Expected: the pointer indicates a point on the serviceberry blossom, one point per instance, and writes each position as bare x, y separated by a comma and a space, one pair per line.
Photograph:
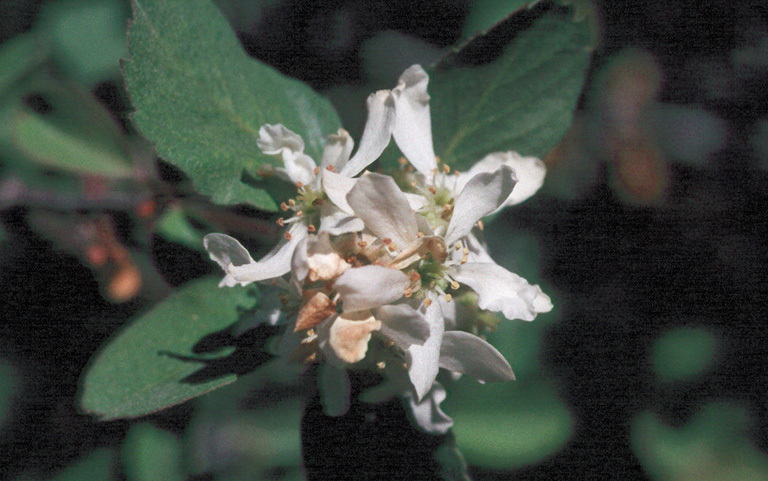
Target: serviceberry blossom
370, 274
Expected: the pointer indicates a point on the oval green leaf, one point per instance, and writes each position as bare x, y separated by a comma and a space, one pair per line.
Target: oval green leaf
201, 100
178, 350
521, 100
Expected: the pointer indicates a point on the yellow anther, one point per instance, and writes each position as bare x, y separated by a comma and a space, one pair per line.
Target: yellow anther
454, 285
458, 245
386, 240
448, 298
291, 202
438, 159
427, 302
465, 251
316, 170
480, 225
464, 260
381, 364
446, 169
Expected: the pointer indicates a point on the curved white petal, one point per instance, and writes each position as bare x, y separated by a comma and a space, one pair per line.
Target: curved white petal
376, 134
402, 324
382, 206
413, 127
278, 140
424, 360
483, 194
274, 264
370, 286
299, 265
416, 201
427, 414
336, 187
334, 387
226, 251
337, 148
468, 354
502, 291
336, 222
530, 173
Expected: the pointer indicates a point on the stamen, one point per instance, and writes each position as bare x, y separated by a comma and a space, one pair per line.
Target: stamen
311, 228
299, 213
409, 169
299, 185
386, 241
456, 173
281, 222
438, 159
433, 190
446, 169
454, 285
288, 235
448, 298
408, 292
392, 247
381, 364
480, 224
283, 206
362, 244
464, 260
427, 302
330, 168
316, 170
465, 251
458, 245
291, 202
420, 235
403, 161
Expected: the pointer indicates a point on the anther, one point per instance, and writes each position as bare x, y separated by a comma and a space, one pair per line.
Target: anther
403, 161
446, 169
316, 170
465, 251
448, 298
299, 213
281, 222
464, 260
420, 235
454, 285
299, 185
386, 241
409, 169
458, 245
330, 168
362, 244
311, 228
432, 190
480, 225
438, 159
284, 206
288, 235
408, 292
392, 247
427, 302
291, 202
381, 364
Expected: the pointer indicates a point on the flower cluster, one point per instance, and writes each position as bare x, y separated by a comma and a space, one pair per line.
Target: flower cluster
377, 273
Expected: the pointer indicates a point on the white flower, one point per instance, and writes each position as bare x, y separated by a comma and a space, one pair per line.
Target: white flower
310, 206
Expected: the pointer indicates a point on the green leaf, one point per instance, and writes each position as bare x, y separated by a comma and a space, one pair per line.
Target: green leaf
484, 14
96, 466
159, 360
150, 454
522, 100
36, 138
684, 354
174, 226
19, 57
201, 99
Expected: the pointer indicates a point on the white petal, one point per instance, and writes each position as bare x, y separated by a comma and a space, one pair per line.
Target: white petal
278, 140
427, 414
413, 128
337, 149
370, 286
376, 134
324, 262
402, 324
380, 203
423, 360
530, 173
336, 222
468, 354
337, 186
416, 201
276, 263
483, 194
299, 264
226, 251
334, 390
502, 291
349, 335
